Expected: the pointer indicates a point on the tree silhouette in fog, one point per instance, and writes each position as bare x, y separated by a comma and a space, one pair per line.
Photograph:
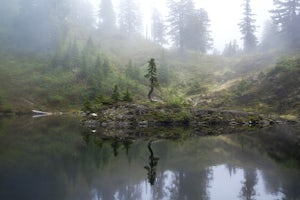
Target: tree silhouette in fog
248, 28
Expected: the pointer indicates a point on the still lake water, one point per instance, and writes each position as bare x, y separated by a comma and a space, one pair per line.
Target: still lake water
55, 158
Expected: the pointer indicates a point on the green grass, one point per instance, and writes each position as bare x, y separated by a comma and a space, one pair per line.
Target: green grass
52, 81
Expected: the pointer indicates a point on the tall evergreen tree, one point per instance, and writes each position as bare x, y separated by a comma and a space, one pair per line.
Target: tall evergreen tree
80, 14
158, 28
129, 17
179, 12
286, 14
248, 28
107, 16
197, 36
270, 37
189, 27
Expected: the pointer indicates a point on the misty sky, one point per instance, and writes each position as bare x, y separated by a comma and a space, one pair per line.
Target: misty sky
224, 16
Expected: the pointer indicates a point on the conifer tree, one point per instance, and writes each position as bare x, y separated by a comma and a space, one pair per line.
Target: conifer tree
129, 17
158, 28
107, 16
115, 95
248, 28
189, 27
106, 67
286, 14
127, 96
152, 76
270, 37
231, 49
197, 36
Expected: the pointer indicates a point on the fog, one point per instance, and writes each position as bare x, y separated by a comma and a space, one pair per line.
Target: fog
224, 16
148, 70
96, 48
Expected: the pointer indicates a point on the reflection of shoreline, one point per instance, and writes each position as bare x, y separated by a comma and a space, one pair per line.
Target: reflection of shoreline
56, 156
173, 132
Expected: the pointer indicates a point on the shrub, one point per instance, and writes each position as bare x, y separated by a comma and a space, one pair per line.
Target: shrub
127, 96
115, 95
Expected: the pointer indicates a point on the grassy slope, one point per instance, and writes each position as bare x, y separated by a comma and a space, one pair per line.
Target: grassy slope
211, 81
270, 88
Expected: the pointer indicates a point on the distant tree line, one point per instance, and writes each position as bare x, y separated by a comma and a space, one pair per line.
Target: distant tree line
45, 24
186, 26
283, 31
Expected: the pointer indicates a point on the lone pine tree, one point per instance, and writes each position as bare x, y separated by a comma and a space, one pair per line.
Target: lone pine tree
152, 76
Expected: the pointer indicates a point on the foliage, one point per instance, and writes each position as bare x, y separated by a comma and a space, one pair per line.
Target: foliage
87, 106
175, 99
127, 96
158, 28
129, 17
270, 38
115, 95
132, 71
248, 28
152, 76
43, 25
107, 17
231, 49
286, 15
242, 87
194, 87
60, 57
189, 27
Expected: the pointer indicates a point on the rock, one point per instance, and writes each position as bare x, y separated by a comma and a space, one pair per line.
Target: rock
143, 123
93, 115
233, 123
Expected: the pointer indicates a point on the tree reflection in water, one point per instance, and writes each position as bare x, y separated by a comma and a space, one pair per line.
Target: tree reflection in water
151, 167
248, 188
115, 146
54, 159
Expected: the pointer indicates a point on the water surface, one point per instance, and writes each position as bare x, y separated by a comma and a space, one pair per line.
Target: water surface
56, 158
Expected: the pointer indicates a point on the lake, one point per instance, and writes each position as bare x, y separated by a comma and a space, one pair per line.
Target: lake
56, 158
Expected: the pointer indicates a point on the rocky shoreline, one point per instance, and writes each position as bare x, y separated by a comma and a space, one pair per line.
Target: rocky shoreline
136, 115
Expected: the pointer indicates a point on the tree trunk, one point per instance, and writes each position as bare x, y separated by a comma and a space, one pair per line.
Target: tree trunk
150, 93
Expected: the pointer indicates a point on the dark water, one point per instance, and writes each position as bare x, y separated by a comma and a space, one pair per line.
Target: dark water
55, 158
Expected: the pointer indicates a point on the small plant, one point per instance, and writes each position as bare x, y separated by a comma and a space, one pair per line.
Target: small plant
127, 96
241, 88
115, 95
87, 107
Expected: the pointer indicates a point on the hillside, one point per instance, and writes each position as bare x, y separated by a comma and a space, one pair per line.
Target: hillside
83, 74
269, 90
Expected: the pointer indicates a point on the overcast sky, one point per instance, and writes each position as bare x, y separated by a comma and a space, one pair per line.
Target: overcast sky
224, 16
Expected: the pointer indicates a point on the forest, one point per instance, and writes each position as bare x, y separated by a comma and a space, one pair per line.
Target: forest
69, 56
